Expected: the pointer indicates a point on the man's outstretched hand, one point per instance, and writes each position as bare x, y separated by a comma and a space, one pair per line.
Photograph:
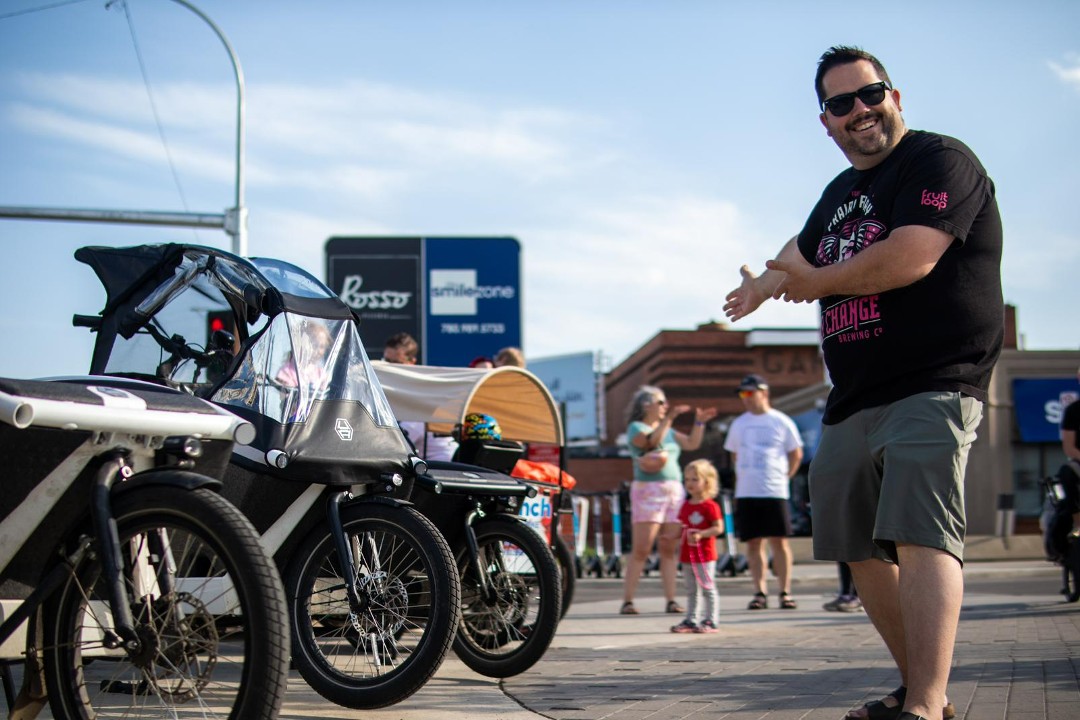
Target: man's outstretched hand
746, 298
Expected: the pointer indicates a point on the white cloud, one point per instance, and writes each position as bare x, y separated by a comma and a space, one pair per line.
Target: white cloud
652, 263
424, 131
120, 141
363, 139
1068, 73
181, 105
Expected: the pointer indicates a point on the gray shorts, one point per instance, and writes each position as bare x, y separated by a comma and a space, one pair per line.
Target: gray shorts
893, 474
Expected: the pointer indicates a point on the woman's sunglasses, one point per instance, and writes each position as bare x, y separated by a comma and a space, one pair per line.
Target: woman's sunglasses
870, 95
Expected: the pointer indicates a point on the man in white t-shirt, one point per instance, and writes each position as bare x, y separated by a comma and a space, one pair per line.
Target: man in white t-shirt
766, 450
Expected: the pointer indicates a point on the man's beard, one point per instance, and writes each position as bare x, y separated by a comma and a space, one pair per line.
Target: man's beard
884, 136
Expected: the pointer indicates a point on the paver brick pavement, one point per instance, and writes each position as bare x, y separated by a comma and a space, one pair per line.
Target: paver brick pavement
1015, 658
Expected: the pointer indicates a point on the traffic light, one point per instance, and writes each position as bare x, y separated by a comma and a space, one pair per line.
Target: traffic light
218, 320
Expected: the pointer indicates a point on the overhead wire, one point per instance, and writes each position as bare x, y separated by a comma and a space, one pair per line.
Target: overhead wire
27, 11
153, 103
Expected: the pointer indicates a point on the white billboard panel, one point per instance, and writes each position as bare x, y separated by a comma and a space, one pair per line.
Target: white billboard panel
571, 379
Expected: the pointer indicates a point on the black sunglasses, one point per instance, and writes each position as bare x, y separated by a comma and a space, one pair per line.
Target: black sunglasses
841, 105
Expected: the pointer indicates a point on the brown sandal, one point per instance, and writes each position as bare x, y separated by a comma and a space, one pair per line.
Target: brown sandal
674, 607
628, 608
760, 602
786, 602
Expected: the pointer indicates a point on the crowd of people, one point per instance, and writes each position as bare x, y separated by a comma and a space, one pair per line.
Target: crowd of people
674, 509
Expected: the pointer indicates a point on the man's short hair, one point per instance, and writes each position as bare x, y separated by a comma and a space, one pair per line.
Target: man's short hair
843, 55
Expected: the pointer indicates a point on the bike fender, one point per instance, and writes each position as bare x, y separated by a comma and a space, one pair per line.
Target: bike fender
177, 478
381, 499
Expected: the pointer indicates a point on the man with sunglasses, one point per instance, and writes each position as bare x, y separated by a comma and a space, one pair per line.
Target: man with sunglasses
903, 251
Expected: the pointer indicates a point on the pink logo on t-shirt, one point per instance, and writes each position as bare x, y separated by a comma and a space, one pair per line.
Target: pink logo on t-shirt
938, 200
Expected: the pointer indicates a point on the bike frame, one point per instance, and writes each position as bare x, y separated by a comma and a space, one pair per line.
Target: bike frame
121, 435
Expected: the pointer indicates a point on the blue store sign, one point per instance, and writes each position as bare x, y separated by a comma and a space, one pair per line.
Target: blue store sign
459, 297
1039, 404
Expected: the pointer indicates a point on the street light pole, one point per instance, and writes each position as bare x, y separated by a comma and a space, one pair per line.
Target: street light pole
236, 218
233, 221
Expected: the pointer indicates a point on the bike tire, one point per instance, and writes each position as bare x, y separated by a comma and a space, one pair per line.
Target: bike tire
216, 647
567, 571
510, 635
398, 641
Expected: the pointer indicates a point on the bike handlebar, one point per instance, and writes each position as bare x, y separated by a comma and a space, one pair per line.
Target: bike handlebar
87, 321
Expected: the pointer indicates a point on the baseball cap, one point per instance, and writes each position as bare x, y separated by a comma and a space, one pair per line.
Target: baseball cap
753, 382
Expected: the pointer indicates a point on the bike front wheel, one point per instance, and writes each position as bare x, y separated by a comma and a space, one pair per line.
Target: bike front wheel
505, 630
384, 650
209, 616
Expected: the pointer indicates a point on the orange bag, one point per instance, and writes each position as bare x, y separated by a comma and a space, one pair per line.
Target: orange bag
542, 472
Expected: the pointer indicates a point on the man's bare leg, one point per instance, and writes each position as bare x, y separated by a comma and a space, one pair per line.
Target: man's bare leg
755, 558
931, 592
878, 584
782, 561
916, 609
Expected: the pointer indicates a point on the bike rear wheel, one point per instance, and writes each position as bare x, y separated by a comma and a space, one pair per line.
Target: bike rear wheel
508, 632
410, 597
1071, 571
567, 570
214, 647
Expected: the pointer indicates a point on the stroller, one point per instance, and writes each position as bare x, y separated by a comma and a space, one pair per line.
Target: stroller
373, 590
510, 579
1061, 537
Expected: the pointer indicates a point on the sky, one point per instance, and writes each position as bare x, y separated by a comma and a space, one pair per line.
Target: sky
640, 150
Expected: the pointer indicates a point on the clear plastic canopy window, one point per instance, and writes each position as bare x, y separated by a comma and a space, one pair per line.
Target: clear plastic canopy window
300, 360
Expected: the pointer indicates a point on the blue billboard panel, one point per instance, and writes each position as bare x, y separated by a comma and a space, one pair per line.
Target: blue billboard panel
473, 298
1039, 404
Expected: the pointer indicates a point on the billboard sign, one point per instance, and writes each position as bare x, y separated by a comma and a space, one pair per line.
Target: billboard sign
459, 297
572, 380
1039, 405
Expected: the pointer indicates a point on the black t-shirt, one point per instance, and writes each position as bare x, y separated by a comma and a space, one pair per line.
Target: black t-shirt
1071, 421
943, 332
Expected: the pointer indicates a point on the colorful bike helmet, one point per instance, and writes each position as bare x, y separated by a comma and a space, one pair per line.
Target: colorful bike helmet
479, 426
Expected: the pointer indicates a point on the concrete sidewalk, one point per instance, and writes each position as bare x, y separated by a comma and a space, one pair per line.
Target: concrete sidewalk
1017, 658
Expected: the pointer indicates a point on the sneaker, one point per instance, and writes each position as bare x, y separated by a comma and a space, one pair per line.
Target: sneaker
834, 605
707, 626
685, 627
850, 605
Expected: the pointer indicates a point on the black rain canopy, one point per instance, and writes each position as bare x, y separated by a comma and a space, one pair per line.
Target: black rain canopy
261, 338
